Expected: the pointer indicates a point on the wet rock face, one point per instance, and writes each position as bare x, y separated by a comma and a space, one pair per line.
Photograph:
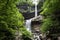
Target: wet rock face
35, 26
29, 15
29, 11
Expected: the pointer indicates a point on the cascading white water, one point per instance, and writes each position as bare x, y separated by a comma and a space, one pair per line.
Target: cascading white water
28, 22
35, 2
36, 10
28, 25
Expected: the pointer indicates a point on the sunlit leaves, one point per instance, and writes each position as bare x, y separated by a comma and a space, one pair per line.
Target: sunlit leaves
10, 18
51, 14
47, 23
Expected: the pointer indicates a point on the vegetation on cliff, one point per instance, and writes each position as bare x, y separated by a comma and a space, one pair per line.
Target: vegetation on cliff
51, 13
11, 20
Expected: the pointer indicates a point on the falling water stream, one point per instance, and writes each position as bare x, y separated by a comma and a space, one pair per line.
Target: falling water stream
28, 25
28, 22
35, 10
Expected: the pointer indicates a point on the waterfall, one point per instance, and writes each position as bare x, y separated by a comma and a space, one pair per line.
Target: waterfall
35, 10
28, 22
28, 25
35, 2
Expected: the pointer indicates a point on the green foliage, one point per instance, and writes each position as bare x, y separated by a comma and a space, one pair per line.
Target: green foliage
25, 32
47, 23
51, 10
10, 19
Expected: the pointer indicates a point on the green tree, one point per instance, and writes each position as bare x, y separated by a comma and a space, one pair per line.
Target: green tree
51, 13
10, 19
